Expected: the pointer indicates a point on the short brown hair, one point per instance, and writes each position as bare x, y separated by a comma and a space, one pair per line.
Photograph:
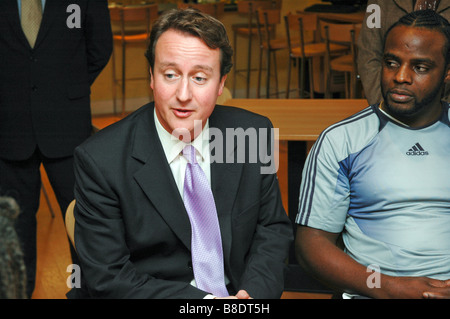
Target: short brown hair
196, 23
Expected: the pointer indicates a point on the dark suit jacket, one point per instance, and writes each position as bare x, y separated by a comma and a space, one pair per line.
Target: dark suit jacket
132, 232
44, 91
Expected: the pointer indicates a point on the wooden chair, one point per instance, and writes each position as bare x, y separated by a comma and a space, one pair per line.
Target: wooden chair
134, 24
266, 20
248, 30
296, 26
70, 222
213, 9
341, 33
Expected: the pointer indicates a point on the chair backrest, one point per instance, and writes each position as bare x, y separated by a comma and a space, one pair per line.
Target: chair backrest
340, 33
134, 16
250, 6
268, 16
336, 32
213, 9
266, 21
297, 24
70, 222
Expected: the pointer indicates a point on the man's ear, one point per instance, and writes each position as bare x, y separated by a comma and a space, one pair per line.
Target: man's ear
222, 84
151, 78
447, 75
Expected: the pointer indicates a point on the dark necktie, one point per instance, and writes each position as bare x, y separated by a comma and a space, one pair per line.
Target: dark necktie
206, 243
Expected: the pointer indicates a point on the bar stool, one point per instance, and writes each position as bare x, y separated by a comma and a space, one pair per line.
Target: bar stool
346, 34
215, 9
134, 27
296, 25
266, 21
248, 30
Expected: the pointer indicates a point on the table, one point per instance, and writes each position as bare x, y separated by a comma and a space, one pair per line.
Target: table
300, 121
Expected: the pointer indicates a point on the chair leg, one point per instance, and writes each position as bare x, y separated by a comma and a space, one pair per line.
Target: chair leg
235, 63
268, 75
301, 78
123, 77
311, 79
348, 90
288, 82
258, 88
249, 57
114, 81
275, 72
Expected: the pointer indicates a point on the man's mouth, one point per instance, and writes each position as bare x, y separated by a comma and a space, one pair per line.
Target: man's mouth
400, 96
183, 113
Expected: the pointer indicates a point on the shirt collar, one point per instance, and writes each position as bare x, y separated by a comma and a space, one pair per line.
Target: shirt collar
173, 147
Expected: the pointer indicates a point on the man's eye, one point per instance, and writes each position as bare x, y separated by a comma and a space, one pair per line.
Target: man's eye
170, 76
421, 68
199, 79
391, 64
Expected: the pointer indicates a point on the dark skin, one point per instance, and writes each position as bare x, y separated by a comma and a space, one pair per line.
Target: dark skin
413, 77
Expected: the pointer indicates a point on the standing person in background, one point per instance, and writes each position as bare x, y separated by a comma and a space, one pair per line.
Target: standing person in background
52, 51
370, 41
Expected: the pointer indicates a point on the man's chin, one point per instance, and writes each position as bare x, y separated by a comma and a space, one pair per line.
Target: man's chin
402, 109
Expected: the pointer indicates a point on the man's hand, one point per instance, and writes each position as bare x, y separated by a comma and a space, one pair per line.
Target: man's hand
242, 294
443, 293
417, 287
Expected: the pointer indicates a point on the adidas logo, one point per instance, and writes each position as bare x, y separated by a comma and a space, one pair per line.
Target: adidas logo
417, 150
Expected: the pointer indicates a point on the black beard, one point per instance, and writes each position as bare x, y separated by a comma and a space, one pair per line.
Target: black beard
418, 105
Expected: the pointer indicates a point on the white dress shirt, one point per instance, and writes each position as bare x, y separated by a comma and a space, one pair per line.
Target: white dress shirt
173, 149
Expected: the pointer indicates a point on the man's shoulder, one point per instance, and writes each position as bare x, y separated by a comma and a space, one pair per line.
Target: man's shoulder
351, 134
119, 133
237, 117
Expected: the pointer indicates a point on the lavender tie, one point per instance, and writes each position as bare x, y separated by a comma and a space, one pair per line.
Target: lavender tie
206, 243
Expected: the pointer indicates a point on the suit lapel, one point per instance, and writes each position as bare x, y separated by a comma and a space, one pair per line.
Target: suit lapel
51, 10
48, 16
225, 178
13, 16
156, 179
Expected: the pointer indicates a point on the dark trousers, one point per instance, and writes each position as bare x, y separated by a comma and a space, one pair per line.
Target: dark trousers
22, 181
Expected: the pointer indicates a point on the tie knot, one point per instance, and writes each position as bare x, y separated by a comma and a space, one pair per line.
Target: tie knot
189, 154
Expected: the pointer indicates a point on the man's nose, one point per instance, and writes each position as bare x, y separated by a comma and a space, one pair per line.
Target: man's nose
403, 74
184, 92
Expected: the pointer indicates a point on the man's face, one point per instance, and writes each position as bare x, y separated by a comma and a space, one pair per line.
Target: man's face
413, 74
185, 80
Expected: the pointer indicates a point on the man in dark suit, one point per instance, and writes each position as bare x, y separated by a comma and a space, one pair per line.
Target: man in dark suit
45, 78
134, 231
